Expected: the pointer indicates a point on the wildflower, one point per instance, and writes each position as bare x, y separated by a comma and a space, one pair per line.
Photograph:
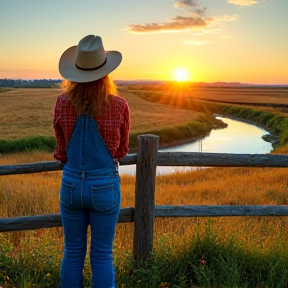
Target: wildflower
164, 285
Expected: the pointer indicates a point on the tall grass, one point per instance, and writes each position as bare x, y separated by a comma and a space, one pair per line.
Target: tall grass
190, 252
174, 115
218, 252
26, 122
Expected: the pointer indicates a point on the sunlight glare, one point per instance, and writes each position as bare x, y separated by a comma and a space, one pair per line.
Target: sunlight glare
181, 74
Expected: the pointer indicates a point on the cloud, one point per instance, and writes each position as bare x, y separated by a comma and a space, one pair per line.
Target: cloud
179, 24
225, 18
193, 18
243, 2
176, 24
192, 6
185, 3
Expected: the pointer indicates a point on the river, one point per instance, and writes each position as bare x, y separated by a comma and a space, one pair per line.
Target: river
238, 138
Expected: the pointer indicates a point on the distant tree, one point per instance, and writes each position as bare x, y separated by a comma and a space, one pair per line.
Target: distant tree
39, 83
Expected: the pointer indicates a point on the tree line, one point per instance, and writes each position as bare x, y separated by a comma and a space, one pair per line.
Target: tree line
37, 83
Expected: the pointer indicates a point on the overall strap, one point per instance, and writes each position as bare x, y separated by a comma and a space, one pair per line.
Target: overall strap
86, 149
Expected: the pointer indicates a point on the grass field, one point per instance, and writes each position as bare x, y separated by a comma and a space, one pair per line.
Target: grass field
29, 112
230, 94
221, 252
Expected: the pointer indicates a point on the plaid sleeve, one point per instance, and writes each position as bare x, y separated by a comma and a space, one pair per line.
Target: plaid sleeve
124, 134
60, 152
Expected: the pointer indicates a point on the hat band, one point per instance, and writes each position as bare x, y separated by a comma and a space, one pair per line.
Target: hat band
91, 69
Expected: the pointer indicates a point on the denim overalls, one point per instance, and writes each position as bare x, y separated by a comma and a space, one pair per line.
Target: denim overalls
90, 194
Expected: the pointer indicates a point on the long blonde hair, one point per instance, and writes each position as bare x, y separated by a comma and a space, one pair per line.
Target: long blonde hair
90, 97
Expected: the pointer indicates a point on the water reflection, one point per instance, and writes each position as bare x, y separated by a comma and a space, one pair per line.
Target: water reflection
238, 138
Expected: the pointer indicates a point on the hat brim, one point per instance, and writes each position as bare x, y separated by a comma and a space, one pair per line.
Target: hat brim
69, 71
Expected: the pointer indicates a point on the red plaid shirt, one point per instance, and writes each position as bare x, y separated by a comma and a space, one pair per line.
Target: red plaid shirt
113, 125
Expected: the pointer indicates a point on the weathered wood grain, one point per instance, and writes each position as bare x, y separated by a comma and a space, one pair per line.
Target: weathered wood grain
50, 220
221, 159
169, 159
145, 196
220, 210
46, 166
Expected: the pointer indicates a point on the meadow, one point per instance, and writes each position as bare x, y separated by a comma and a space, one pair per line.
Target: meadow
188, 252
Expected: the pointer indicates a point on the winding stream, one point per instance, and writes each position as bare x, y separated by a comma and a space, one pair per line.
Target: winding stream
239, 138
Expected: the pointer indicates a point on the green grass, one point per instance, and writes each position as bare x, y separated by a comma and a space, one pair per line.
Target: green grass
199, 127
5, 89
40, 143
209, 259
187, 131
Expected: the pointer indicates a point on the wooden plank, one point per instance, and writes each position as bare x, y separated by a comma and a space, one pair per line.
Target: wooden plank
220, 210
46, 166
169, 159
145, 196
50, 220
127, 215
221, 159
129, 159
30, 168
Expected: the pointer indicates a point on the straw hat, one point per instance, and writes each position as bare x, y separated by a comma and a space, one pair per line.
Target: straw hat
88, 61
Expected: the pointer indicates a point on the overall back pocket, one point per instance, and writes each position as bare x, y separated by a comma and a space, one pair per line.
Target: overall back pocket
105, 195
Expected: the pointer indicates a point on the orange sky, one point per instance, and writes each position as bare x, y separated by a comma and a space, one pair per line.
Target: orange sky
219, 40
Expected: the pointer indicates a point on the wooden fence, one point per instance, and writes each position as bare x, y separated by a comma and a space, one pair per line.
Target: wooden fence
147, 159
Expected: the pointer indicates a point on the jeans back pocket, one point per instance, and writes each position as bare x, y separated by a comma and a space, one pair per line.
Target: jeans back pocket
105, 194
66, 193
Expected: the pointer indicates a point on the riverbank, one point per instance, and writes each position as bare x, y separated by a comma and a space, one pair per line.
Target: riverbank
184, 133
273, 139
273, 121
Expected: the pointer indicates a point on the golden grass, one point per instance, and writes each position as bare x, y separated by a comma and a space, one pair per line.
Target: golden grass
38, 193
248, 94
29, 112
26, 112
243, 95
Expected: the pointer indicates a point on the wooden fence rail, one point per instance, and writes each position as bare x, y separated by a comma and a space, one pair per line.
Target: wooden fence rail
147, 159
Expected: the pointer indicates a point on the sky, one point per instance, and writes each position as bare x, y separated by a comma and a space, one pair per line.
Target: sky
213, 40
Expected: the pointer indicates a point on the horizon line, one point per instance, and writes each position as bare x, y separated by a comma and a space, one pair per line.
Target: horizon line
163, 81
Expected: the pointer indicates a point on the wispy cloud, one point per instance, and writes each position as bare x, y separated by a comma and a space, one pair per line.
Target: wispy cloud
190, 5
185, 3
243, 2
176, 24
225, 18
193, 17
180, 24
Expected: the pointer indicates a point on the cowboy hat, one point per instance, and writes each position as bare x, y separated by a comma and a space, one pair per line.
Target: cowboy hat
88, 61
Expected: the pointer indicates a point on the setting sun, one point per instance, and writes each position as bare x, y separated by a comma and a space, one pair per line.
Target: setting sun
181, 74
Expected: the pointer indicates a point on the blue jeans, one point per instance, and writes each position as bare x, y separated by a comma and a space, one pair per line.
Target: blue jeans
89, 197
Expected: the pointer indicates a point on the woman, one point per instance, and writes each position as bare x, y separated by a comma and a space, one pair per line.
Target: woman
91, 126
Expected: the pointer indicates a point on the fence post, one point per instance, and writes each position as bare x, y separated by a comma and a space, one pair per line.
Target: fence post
145, 195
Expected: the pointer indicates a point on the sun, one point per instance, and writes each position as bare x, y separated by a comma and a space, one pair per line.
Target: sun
181, 74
